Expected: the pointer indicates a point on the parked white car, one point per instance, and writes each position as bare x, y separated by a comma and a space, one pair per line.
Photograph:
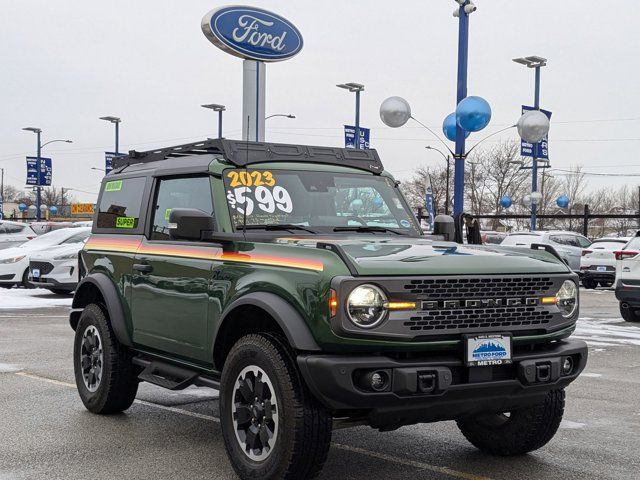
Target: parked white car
14, 262
627, 283
13, 234
569, 245
56, 269
598, 262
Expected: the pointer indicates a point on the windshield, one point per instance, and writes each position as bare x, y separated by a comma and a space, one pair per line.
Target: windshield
320, 201
55, 237
522, 239
607, 244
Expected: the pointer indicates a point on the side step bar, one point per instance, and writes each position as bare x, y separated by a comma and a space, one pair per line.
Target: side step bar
172, 377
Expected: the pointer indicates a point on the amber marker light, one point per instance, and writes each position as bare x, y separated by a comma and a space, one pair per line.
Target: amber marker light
401, 306
333, 303
549, 300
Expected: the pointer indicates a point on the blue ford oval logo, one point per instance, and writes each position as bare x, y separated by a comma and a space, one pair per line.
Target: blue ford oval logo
253, 33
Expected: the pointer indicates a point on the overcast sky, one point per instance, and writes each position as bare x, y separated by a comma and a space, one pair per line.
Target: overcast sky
67, 62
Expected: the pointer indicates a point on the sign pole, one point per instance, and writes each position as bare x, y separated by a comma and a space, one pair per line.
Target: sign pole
38, 188
357, 139
463, 57
117, 137
253, 100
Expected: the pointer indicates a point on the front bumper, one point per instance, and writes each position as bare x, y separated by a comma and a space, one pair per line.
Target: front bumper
59, 275
452, 389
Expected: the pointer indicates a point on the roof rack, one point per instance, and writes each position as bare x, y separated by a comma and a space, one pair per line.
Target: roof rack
242, 153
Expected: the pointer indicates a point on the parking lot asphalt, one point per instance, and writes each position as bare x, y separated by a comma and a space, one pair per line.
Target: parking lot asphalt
45, 432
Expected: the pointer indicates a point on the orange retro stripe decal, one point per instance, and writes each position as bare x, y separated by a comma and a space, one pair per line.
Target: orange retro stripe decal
126, 245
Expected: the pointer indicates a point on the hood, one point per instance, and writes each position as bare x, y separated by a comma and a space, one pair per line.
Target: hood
378, 255
57, 250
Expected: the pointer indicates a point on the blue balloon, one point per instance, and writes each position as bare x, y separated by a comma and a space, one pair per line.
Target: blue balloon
449, 127
22, 207
378, 202
506, 201
473, 114
562, 201
53, 209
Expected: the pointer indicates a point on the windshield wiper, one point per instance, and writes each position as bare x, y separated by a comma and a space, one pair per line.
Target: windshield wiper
275, 226
369, 228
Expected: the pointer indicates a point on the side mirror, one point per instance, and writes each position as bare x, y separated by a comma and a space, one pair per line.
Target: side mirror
190, 223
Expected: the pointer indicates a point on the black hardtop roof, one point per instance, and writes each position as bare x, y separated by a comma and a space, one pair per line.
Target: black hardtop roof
241, 153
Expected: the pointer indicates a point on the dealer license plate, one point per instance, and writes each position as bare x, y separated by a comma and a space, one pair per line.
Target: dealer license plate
601, 269
483, 350
35, 273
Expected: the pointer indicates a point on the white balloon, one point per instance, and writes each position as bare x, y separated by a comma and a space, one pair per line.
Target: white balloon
533, 126
536, 197
526, 200
395, 112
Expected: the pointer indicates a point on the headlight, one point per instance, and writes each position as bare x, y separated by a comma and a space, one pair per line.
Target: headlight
367, 306
68, 256
567, 298
12, 260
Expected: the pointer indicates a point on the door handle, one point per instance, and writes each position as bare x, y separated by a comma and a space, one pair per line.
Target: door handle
142, 267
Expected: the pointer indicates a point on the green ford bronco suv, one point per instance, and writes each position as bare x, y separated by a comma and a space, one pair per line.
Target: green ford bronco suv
296, 280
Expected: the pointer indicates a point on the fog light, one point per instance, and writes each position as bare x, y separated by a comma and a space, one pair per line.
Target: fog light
378, 380
567, 365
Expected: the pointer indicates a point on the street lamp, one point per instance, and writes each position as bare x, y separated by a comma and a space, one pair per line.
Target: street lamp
38, 132
447, 158
537, 63
355, 88
285, 115
98, 169
216, 108
116, 121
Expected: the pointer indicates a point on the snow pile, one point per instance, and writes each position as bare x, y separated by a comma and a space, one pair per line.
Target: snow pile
20, 298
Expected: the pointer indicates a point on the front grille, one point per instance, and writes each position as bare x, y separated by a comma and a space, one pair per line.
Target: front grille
469, 288
44, 267
508, 317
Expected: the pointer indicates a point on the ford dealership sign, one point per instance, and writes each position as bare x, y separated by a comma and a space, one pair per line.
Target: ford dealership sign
252, 33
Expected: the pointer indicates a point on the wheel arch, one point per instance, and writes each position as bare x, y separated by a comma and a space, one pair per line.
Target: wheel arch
260, 312
99, 288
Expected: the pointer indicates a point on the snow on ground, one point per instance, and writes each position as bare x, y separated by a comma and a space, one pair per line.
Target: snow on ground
607, 332
20, 298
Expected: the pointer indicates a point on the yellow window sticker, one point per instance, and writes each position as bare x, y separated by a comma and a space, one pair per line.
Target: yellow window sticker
113, 186
125, 222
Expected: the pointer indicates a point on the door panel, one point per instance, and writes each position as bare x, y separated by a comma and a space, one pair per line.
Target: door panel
170, 303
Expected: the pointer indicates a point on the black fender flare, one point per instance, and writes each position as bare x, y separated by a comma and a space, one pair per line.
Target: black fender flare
287, 317
112, 303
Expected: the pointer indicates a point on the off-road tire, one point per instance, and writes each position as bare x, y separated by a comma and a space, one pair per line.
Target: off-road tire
304, 429
589, 284
630, 313
525, 430
118, 385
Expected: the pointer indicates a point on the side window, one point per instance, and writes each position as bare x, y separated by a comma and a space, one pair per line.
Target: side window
185, 192
557, 239
583, 241
120, 204
572, 240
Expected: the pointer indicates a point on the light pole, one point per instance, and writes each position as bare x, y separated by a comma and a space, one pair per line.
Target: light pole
116, 121
465, 8
285, 115
448, 160
38, 132
1, 193
216, 108
98, 169
357, 88
537, 63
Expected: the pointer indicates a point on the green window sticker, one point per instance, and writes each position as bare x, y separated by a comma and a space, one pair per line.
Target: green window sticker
125, 222
113, 186
167, 214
